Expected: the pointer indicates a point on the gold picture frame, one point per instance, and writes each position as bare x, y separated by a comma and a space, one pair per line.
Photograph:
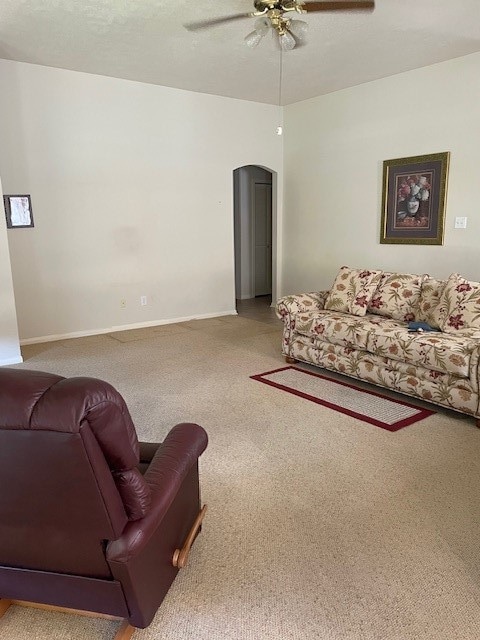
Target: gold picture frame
414, 198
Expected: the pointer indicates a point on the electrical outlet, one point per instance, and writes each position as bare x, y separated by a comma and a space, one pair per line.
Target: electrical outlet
460, 223
143, 300
123, 303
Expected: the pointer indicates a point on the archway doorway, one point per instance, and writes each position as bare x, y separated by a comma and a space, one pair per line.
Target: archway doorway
254, 215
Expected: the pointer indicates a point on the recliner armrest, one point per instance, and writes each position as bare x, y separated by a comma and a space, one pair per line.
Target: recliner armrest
170, 465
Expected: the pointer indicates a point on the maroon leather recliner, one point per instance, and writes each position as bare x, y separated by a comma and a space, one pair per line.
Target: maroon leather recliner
90, 518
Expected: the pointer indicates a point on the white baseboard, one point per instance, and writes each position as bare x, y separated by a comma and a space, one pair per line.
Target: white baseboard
6, 361
123, 327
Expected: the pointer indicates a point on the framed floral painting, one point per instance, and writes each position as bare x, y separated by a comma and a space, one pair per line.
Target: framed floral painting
414, 196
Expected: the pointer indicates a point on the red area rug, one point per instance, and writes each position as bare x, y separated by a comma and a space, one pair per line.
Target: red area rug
369, 406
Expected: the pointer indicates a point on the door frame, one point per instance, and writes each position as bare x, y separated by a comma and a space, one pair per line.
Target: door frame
276, 205
253, 182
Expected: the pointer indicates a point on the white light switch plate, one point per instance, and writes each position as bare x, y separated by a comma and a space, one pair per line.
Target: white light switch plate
460, 223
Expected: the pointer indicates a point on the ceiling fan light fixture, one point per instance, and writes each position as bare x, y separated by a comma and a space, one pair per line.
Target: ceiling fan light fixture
298, 28
287, 41
262, 25
253, 38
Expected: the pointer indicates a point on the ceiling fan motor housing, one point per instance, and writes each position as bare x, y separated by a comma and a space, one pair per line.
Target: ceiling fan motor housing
279, 5
274, 10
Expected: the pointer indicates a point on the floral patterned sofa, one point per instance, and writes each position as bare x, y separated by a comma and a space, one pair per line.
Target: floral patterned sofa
360, 328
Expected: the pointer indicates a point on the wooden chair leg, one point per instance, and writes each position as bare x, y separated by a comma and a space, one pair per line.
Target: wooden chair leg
180, 556
125, 631
290, 360
4, 604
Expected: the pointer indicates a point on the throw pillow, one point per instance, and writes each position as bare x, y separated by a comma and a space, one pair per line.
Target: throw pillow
460, 304
397, 296
352, 290
428, 309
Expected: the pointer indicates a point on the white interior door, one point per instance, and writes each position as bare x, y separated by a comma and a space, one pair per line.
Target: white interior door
262, 214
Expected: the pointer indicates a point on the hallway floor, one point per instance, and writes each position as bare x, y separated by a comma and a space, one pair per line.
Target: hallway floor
259, 309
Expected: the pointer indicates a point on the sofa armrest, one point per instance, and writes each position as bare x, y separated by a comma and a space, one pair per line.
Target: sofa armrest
301, 303
169, 467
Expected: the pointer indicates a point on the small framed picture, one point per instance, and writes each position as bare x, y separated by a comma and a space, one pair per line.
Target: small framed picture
414, 197
18, 210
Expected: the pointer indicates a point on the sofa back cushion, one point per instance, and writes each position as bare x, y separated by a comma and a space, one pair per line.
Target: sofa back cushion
428, 309
397, 296
352, 290
459, 304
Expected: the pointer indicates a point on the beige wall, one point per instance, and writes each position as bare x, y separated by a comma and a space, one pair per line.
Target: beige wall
9, 345
334, 149
132, 188
132, 195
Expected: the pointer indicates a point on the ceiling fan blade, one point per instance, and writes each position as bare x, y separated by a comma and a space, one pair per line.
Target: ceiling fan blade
205, 24
339, 5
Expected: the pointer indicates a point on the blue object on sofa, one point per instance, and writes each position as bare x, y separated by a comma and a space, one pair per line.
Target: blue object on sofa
420, 327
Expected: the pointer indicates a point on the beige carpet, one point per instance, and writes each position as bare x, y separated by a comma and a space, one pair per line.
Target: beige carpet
319, 527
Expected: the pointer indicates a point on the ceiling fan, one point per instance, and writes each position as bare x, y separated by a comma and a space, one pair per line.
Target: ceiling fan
275, 15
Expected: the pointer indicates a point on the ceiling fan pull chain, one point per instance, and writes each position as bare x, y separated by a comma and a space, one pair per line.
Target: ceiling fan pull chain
280, 79
280, 125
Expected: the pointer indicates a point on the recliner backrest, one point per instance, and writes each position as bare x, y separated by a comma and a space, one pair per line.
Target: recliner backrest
68, 472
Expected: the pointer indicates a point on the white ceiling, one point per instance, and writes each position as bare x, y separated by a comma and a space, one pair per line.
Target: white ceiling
145, 40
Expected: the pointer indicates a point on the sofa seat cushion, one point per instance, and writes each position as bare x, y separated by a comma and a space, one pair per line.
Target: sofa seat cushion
340, 328
440, 352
